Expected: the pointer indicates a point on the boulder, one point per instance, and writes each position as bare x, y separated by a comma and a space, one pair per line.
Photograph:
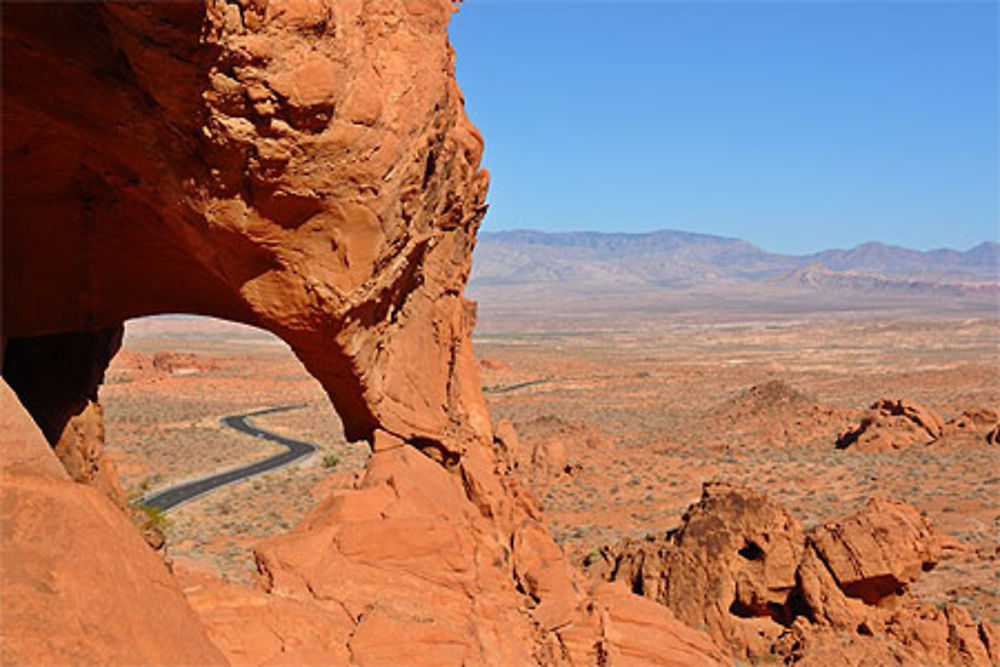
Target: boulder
878, 552
891, 424
730, 567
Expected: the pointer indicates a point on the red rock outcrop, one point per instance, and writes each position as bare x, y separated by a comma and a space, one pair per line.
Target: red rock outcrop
741, 566
304, 166
871, 556
179, 363
79, 584
247, 162
730, 567
979, 424
891, 424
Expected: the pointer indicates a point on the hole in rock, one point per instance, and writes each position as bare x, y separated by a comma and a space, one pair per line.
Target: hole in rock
782, 614
638, 587
874, 590
751, 551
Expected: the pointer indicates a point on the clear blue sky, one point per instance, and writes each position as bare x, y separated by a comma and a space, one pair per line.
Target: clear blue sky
795, 125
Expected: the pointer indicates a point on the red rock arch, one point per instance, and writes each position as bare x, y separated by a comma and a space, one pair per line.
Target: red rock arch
306, 167
189, 157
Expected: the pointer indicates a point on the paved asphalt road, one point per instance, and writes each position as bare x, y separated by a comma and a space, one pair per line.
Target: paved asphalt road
175, 495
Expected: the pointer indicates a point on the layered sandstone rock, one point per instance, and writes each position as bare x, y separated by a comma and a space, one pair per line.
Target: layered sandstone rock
305, 166
872, 555
891, 424
839, 593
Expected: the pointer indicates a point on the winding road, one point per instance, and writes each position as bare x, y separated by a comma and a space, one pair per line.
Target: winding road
172, 496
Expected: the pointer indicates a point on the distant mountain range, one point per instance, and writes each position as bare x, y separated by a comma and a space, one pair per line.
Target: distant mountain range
678, 260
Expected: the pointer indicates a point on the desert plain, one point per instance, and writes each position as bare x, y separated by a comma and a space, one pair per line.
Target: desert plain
624, 424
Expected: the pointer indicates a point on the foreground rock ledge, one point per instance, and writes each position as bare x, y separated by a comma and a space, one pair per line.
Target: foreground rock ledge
305, 166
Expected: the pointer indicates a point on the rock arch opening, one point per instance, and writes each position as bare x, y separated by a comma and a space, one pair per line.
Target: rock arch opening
218, 425
305, 167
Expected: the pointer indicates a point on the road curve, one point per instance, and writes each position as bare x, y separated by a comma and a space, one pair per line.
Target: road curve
175, 495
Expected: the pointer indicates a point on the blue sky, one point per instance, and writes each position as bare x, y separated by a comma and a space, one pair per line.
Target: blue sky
795, 125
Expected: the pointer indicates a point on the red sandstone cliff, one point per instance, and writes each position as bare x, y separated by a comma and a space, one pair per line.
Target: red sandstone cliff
305, 166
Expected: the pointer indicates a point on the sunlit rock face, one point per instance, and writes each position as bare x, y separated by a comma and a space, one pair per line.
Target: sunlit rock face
305, 166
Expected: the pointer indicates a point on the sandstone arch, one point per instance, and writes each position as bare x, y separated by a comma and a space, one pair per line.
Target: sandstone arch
163, 158
304, 166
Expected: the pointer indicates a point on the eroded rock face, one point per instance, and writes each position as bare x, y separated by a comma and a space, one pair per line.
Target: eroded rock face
839, 593
877, 552
730, 567
891, 424
305, 166
980, 424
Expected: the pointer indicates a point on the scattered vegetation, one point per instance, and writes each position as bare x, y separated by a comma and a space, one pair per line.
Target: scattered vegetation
152, 518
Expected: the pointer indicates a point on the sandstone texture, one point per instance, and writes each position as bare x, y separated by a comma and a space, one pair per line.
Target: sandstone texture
176, 363
981, 424
891, 424
80, 586
304, 166
836, 594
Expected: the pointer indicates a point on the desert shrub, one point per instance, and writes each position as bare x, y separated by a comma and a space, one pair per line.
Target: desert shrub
331, 461
152, 518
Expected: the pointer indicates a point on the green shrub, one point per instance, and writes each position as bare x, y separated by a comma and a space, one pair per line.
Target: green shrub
153, 518
331, 461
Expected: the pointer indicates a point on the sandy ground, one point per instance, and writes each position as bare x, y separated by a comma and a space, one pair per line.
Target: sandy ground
645, 416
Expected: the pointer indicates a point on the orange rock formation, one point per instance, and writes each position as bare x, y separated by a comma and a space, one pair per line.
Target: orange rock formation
891, 424
837, 594
305, 166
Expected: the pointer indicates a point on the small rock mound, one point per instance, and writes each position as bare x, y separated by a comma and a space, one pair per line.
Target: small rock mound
891, 424
979, 424
773, 396
537, 464
778, 414
494, 365
181, 363
742, 567
974, 419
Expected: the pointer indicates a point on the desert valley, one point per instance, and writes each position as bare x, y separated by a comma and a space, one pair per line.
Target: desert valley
616, 428
269, 397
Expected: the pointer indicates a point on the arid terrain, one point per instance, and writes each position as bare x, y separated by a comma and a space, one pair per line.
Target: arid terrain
626, 426
666, 448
